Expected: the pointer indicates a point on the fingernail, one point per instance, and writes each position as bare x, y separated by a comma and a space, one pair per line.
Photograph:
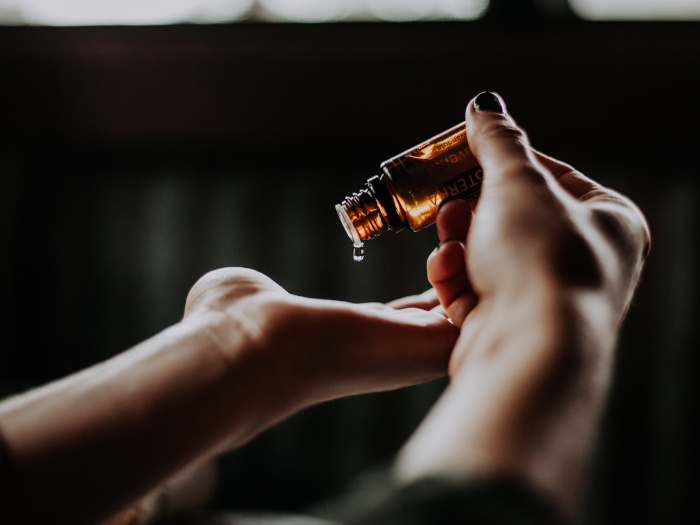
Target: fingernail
443, 243
487, 101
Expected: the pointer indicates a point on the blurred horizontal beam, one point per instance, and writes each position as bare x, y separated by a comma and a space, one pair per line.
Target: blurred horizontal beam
605, 87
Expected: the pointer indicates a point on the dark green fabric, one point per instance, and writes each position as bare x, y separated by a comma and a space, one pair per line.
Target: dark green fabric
490, 501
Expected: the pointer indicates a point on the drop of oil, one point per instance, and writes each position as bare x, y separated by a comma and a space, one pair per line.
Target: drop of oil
358, 252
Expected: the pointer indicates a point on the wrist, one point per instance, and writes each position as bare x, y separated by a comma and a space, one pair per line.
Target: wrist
249, 342
544, 313
525, 399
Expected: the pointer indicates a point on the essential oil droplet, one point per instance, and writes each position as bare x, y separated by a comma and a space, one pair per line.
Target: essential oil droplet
358, 252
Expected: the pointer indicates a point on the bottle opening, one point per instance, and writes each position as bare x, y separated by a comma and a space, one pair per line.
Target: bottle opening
347, 224
358, 251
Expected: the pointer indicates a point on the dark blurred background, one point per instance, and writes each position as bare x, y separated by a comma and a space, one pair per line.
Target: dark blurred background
135, 158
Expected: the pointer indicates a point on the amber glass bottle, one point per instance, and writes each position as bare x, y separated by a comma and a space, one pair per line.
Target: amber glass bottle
411, 187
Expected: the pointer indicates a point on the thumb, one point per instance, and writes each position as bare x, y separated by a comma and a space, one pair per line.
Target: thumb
501, 147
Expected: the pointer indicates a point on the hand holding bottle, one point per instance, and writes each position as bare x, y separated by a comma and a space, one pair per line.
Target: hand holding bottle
541, 229
538, 277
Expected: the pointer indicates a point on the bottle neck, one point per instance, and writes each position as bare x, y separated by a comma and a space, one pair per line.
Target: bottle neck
361, 216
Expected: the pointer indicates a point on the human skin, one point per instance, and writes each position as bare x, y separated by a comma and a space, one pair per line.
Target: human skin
246, 354
539, 277
538, 280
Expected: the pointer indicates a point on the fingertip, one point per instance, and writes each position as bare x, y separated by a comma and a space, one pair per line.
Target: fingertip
453, 220
453, 205
500, 146
445, 262
489, 101
424, 301
486, 104
447, 273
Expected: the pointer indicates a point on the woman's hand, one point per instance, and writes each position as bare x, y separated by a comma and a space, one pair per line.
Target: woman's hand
311, 350
540, 227
246, 355
539, 277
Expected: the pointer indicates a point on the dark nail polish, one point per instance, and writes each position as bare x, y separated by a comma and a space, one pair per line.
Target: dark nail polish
487, 101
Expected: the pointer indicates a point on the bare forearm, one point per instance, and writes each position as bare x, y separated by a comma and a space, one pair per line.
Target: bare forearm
525, 404
538, 276
246, 355
121, 428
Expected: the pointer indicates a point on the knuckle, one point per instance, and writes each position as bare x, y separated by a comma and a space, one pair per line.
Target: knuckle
624, 225
506, 130
524, 173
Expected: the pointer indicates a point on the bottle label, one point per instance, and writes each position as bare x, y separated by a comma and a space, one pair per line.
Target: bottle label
465, 186
438, 169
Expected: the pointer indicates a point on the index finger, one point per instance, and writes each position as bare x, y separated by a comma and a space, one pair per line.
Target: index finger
425, 301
